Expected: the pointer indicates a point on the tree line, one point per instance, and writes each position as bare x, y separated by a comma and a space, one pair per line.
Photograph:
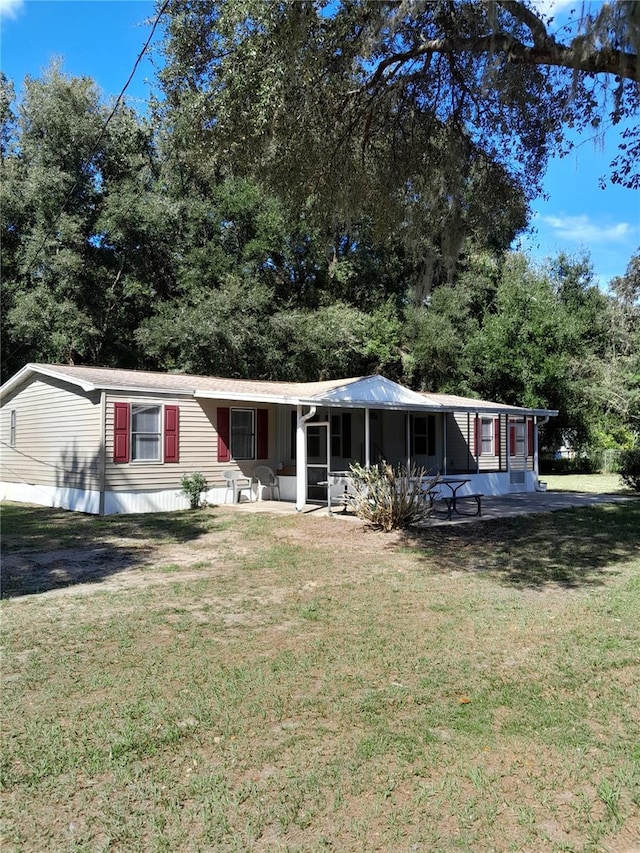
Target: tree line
203, 244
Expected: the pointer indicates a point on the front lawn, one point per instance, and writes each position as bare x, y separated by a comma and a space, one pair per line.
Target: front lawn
222, 681
601, 484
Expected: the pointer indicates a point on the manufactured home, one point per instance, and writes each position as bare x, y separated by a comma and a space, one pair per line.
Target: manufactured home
106, 441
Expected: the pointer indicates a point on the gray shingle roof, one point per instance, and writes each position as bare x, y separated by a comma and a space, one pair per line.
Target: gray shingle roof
370, 391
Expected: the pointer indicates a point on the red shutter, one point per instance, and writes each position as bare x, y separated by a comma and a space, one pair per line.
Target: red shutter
262, 450
477, 433
121, 432
496, 437
171, 433
530, 437
224, 454
512, 440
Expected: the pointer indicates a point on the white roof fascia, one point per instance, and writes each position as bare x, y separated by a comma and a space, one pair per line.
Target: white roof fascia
500, 409
31, 370
134, 389
282, 399
369, 404
320, 400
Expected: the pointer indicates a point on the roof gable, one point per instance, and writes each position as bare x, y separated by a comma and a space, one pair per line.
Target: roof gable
370, 392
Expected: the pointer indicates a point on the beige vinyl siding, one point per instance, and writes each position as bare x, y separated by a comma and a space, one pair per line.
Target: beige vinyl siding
461, 443
57, 436
198, 445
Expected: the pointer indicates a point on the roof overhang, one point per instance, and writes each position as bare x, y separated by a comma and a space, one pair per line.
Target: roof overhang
369, 392
30, 370
230, 396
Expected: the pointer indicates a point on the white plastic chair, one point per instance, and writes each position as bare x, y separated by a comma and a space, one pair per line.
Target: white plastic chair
237, 483
267, 480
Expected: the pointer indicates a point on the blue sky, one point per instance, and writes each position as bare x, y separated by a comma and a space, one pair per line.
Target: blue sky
103, 38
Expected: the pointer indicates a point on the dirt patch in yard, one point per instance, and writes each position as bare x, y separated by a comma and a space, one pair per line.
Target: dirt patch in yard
167, 548
117, 562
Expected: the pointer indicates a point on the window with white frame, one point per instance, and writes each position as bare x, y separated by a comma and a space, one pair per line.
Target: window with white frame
146, 433
243, 433
12, 428
486, 437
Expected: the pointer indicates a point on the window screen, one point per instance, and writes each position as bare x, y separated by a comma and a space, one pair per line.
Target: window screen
242, 433
145, 432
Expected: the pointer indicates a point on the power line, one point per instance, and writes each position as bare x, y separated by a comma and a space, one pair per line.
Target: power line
100, 136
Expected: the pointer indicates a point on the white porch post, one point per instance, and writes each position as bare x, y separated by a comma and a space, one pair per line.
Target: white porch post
408, 422
301, 457
537, 423
444, 444
477, 440
367, 440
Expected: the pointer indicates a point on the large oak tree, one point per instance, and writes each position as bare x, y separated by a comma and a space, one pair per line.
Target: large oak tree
431, 119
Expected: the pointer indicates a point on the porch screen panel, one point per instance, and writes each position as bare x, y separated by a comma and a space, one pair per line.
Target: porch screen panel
486, 436
224, 441
262, 441
420, 435
431, 435
292, 434
336, 443
346, 435
341, 435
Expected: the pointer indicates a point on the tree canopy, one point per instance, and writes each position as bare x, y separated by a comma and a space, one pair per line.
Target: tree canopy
433, 118
123, 245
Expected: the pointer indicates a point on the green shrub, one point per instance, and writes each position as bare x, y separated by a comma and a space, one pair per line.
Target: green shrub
193, 485
578, 465
389, 498
629, 468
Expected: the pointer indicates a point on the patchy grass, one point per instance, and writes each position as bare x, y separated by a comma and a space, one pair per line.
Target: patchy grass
599, 484
36, 528
296, 683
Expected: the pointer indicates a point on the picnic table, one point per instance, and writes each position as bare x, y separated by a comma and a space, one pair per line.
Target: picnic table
451, 497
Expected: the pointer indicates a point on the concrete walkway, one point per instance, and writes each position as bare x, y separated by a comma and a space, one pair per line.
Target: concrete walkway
524, 504
492, 507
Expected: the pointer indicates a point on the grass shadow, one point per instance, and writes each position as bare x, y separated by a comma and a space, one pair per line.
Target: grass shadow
572, 548
45, 549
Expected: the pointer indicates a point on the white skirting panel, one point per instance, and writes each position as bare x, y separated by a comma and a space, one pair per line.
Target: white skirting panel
172, 499
490, 483
122, 503
85, 500
497, 483
79, 500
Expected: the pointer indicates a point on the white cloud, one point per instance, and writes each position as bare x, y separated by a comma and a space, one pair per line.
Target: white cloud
10, 8
581, 229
